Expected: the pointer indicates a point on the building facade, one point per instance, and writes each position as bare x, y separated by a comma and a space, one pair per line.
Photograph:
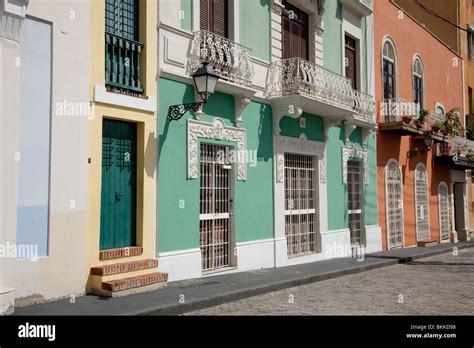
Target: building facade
421, 159
244, 181
452, 22
44, 149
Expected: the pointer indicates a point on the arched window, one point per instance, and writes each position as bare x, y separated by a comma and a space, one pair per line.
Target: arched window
439, 111
422, 204
418, 82
443, 202
389, 70
394, 204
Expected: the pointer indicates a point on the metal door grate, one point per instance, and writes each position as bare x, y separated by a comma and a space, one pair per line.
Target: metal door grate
443, 211
215, 196
394, 206
422, 209
300, 205
354, 188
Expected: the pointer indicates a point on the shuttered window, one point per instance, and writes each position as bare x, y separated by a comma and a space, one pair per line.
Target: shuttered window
121, 18
295, 37
214, 16
122, 46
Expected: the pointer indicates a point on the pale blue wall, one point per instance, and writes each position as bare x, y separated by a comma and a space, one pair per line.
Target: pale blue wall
34, 136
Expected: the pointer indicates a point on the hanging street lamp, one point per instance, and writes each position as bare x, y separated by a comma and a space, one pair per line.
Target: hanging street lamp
205, 80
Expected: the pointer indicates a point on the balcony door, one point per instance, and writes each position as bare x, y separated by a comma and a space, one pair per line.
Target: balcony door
295, 38
351, 60
213, 16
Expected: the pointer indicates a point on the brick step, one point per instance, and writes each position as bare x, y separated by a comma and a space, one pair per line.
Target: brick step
109, 288
119, 253
124, 267
427, 243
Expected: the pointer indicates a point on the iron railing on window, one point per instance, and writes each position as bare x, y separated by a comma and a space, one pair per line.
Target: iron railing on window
122, 63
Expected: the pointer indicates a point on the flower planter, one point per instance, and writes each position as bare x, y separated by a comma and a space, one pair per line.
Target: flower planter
406, 119
435, 129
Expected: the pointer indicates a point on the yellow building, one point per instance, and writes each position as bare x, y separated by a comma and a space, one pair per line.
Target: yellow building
121, 219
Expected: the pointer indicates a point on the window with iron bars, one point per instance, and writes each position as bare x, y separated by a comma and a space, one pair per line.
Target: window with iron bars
122, 46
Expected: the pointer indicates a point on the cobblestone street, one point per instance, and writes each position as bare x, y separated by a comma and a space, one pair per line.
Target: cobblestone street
439, 285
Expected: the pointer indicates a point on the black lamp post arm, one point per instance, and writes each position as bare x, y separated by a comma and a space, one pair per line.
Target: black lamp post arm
176, 112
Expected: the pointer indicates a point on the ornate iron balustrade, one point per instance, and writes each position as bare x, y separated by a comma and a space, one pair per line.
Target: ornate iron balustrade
230, 60
122, 63
364, 105
298, 76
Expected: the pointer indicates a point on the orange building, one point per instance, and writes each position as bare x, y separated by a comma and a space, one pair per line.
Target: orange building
420, 165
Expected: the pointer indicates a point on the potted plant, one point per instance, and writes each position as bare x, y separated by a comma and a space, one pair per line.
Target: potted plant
452, 122
406, 119
437, 126
470, 156
422, 115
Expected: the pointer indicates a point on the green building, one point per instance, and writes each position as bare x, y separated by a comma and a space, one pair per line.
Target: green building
279, 167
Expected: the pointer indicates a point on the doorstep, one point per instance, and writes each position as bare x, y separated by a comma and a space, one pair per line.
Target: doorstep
187, 295
7, 301
427, 243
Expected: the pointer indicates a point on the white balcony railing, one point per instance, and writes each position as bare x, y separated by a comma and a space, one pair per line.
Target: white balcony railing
231, 60
364, 105
360, 7
462, 145
296, 76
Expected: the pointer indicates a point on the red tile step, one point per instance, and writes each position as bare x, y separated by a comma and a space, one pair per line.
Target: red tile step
119, 253
427, 243
134, 282
124, 267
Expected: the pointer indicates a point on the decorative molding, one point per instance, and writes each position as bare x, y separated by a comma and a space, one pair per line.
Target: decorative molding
292, 111
101, 95
216, 131
328, 125
348, 129
277, 7
240, 104
365, 134
12, 15
303, 146
355, 152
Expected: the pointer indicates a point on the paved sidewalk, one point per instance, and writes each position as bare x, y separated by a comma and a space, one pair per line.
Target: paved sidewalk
189, 295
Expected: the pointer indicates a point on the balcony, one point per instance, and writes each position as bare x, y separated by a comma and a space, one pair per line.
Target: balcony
122, 63
457, 154
362, 8
230, 60
317, 90
400, 116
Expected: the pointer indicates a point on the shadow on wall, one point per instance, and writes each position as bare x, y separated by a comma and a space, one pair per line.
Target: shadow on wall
265, 126
394, 147
188, 97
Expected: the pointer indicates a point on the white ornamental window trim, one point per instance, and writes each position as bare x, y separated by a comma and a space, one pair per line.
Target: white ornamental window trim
302, 146
355, 153
217, 130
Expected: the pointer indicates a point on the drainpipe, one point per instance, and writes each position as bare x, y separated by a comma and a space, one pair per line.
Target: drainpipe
158, 74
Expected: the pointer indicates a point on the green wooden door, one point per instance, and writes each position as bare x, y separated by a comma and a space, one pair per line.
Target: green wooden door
119, 173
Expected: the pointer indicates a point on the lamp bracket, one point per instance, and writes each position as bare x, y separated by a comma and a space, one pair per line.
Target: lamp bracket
176, 112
